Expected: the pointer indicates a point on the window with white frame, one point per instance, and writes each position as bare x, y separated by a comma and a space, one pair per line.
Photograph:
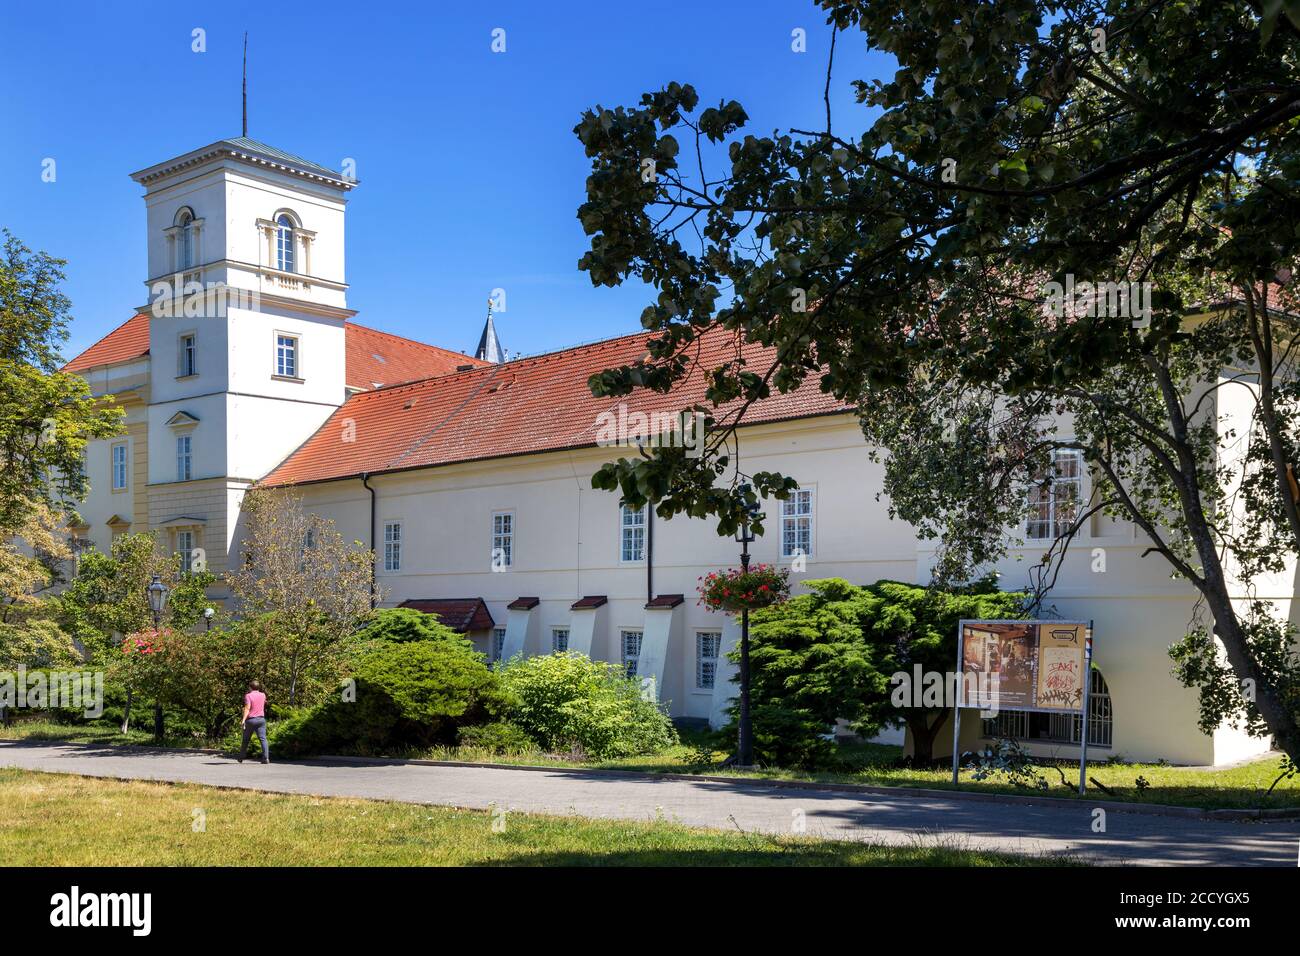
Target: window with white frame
559, 640
707, 645
797, 523
184, 457
286, 355
187, 355
631, 646
503, 540
1055, 496
119, 466
631, 533
392, 546
185, 548
284, 244
498, 643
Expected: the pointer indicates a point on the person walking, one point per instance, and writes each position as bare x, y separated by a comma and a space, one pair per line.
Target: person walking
255, 721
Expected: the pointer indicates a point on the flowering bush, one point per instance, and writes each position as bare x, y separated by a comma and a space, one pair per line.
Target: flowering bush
145, 642
737, 590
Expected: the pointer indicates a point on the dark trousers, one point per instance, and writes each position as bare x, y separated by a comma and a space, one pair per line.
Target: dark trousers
255, 725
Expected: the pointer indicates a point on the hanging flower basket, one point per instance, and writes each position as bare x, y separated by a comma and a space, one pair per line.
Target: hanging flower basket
735, 589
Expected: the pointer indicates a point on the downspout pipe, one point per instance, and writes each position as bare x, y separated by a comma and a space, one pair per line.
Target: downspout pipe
649, 553
374, 555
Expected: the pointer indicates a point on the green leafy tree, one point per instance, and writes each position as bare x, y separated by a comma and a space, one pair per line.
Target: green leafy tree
298, 568
46, 416
397, 625
903, 256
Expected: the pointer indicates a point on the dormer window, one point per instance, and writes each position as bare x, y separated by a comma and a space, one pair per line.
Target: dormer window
284, 244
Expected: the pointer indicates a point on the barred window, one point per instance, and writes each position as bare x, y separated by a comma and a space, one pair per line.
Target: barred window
707, 646
631, 642
559, 640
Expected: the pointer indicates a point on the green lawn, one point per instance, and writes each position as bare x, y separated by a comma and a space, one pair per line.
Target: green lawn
1240, 787
65, 820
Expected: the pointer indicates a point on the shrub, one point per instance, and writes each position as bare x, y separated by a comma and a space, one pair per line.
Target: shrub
500, 736
398, 625
407, 695
562, 700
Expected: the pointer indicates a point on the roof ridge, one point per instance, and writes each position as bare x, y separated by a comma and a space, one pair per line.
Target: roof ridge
403, 338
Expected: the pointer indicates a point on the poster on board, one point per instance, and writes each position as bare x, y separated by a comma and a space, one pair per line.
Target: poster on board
1023, 665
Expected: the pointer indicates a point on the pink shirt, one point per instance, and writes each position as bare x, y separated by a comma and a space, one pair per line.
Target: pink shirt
256, 702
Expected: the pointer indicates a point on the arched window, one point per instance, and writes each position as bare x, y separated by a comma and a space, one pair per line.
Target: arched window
284, 244
1060, 728
185, 238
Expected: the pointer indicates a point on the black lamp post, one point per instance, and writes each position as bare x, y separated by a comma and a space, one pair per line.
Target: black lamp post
157, 603
745, 746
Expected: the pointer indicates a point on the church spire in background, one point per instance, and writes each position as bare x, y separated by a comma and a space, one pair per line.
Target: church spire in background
489, 347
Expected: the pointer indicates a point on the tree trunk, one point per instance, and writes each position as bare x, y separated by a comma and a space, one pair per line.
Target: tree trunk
924, 734
126, 712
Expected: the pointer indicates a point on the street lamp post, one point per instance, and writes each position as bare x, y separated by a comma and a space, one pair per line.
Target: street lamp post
745, 745
157, 603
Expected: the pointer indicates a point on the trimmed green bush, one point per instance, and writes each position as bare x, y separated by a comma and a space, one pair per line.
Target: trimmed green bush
567, 700
399, 625
408, 695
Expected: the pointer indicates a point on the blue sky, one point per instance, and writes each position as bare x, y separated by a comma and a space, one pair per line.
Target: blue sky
470, 175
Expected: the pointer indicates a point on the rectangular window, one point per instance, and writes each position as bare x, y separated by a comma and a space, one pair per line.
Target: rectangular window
392, 546
797, 524
707, 645
119, 467
631, 533
184, 457
498, 643
559, 640
503, 540
188, 356
1055, 495
286, 355
185, 548
631, 641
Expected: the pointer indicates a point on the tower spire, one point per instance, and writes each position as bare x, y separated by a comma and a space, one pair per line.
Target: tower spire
245, 89
489, 346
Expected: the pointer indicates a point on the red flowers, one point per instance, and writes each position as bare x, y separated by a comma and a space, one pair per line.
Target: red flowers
737, 590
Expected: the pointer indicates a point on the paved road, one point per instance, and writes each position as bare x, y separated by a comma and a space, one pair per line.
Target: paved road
899, 820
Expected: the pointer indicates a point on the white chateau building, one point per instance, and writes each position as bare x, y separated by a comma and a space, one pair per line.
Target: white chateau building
471, 476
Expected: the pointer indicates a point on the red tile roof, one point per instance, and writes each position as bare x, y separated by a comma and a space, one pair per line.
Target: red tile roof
377, 358
525, 406
130, 340
372, 356
459, 614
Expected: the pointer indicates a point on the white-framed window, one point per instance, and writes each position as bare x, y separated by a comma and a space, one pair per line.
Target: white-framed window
630, 642
286, 355
392, 545
498, 643
559, 640
797, 523
707, 646
185, 240
185, 548
1055, 496
503, 540
284, 239
184, 457
187, 355
631, 543
119, 466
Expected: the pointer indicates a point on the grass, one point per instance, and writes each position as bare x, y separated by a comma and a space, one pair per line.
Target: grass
1239, 787
64, 820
